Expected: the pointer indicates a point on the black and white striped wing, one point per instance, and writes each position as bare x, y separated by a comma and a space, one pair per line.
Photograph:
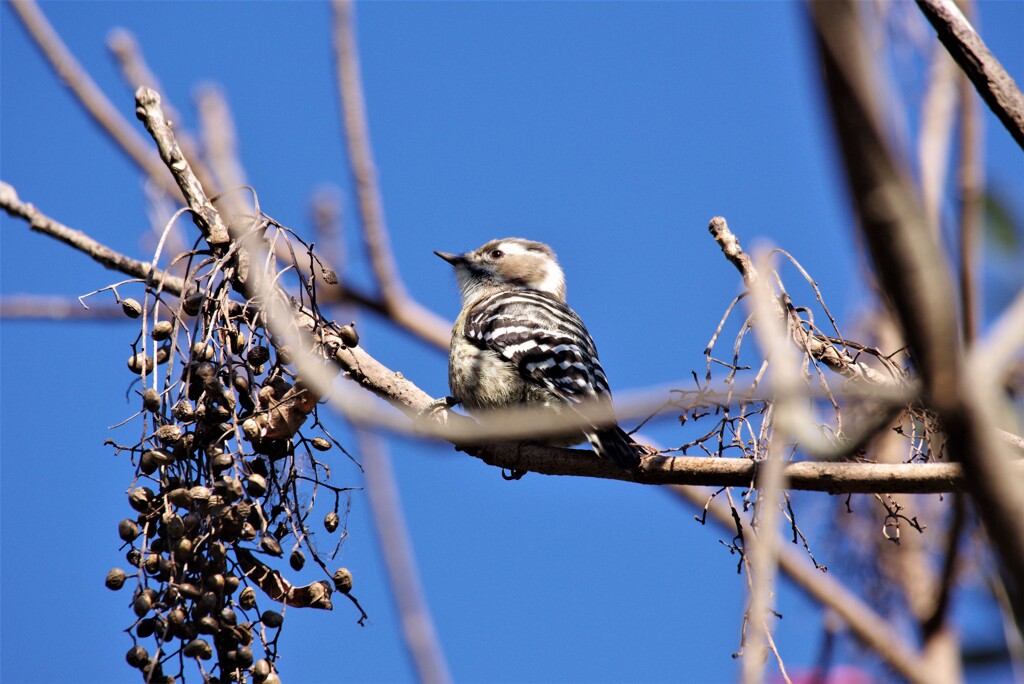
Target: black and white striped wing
544, 339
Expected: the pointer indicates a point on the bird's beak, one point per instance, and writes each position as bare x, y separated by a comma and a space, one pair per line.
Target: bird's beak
453, 259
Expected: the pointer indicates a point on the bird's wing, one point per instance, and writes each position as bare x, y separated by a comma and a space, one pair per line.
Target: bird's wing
544, 339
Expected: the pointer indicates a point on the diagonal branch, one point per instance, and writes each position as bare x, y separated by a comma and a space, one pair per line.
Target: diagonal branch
78, 240
913, 270
89, 94
996, 87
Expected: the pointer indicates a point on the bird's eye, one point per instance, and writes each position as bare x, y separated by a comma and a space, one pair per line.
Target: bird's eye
496, 254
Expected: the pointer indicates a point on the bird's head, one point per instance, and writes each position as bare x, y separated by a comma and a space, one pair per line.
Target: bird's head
505, 264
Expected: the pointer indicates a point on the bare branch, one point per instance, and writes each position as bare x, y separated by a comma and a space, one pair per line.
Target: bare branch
996, 87
913, 270
399, 305
38, 307
71, 73
78, 240
393, 535
206, 217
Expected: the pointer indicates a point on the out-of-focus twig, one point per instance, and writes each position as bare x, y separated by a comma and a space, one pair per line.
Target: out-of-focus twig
996, 87
938, 113
866, 625
971, 181
399, 305
912, 270
417, 624
90, 96
136, 72
43, 307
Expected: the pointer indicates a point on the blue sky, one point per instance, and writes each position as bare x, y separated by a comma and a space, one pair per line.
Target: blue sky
614, 132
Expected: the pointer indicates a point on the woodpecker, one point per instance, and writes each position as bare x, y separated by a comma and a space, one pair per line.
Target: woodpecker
517, 343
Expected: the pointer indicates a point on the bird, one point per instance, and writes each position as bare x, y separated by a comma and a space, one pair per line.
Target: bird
517, 343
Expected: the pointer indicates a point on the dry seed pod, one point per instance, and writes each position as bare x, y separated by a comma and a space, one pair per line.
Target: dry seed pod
140, 363
207, 625
183, 411
251, 429
228, 617
342, 580
189, 590
151, 400
183, 550
261, 670
231, 583
137, 657
258, 356
141, 498
200, 494
146, 628
162, 354
247, 533
115, 579
201, 351
142, 604
243, 656
221, 462
256, 485
197, 648
242, 634
131, 308
329, 276
162, 331
192, 303
297, 560
272, 619
331, 521
247, 599
320, 444
349, 336
168, 435
180, 497
271, 546
159, 456
127, 530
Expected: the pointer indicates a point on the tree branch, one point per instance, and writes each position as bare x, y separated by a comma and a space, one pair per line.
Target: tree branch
71, 73
78, 240
996, 87
913, 270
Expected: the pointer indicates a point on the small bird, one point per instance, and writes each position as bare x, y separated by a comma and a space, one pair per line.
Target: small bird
516, 342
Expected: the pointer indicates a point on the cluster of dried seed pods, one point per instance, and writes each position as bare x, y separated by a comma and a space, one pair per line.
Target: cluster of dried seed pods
223, 479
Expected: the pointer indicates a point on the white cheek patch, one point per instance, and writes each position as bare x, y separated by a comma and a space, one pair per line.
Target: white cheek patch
553, 281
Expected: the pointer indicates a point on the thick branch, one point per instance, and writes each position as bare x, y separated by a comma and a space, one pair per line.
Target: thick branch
996, 87
913, 271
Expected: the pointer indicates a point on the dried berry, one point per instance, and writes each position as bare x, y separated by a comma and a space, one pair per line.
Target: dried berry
141, 499
261, 670
180, 497
271, 546
258, 356
272, 619
247, 599
162, 331
349, 336
142, 604
140, 363
297, 560
127, 530
342, 580
331, 521
192, 303
131, 308
198, 648
183, 411
115, 579
151, 400
320, 444
137, 657
168, 435
256, 485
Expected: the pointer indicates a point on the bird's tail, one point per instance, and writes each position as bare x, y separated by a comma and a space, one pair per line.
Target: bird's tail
614, 445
